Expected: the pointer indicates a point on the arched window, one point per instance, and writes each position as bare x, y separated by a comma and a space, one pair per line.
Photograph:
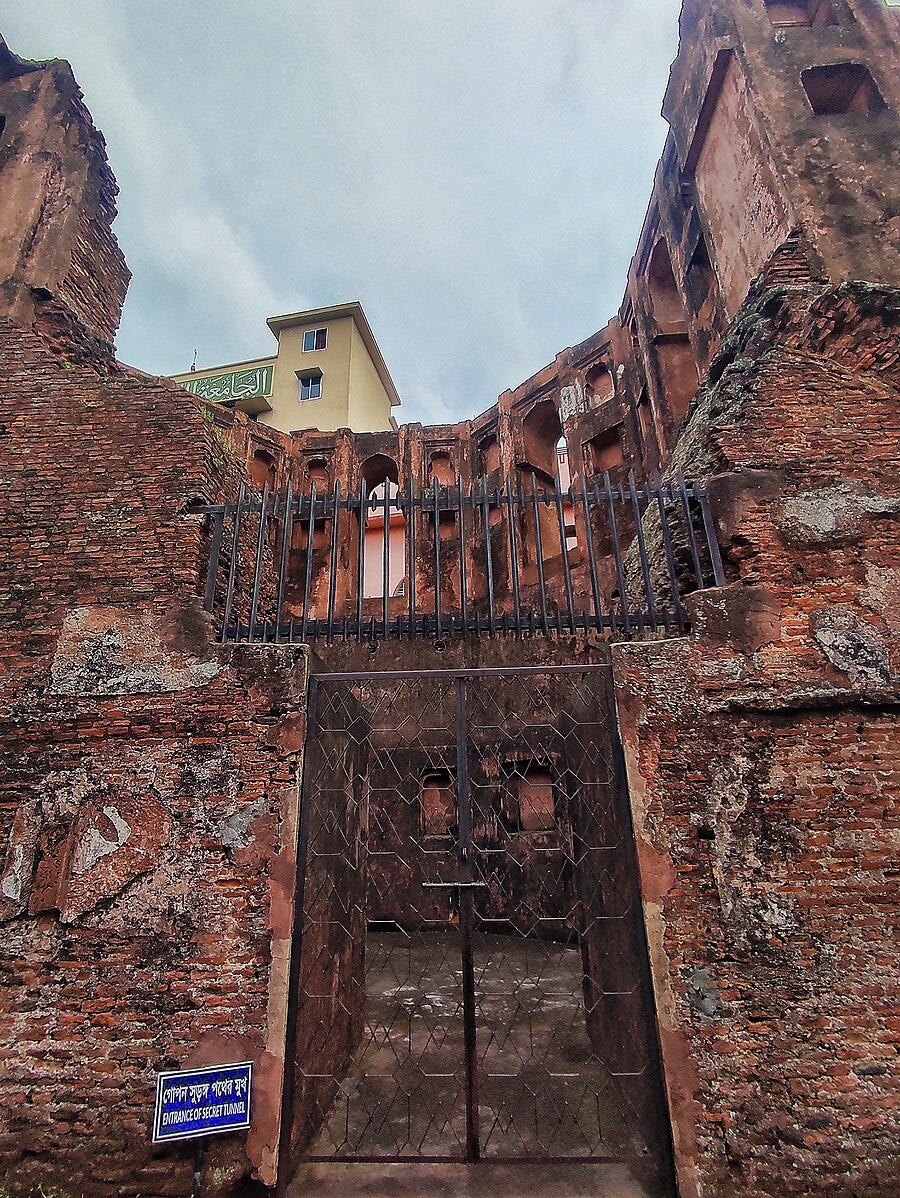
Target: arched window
380, 475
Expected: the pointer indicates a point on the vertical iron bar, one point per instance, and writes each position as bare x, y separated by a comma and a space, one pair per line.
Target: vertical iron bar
386, 559
592, 557
257, 563
437, 562
539, 554
567, 573
411, 573
215, 548
688, 519
309, 558
488, 554
642, 549
712, 540
667, 546
232, 565
463, 597
617, 553
361, 557
282, 564
512, 508
466, 920
332, 570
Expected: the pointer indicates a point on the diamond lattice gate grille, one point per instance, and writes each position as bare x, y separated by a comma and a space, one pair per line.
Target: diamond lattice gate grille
472, 969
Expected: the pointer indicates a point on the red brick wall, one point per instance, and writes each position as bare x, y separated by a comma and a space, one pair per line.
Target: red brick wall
150, 784
764, 765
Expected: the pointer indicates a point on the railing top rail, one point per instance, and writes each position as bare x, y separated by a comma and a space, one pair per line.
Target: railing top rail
474, 494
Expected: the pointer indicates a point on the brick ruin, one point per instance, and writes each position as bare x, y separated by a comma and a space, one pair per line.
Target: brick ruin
151, 774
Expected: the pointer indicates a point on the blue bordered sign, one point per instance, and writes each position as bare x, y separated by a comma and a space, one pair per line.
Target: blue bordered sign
202, 1102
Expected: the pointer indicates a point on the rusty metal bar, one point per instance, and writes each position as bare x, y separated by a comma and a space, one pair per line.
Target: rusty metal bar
215, 548
309, 559
361, 557
617, 553
488, 555
386, 559
712, 540
539, 555
411, 572
592, 558
286, 526
332, 565
437, 560
463, 581
567, 573
689, 521
257, 564
642, 549
513, 553
667, 549
232, 565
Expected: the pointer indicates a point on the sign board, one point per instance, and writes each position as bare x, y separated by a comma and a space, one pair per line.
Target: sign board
202, 1102
231, 387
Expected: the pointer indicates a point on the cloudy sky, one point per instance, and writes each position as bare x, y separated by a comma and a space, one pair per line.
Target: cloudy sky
475, 171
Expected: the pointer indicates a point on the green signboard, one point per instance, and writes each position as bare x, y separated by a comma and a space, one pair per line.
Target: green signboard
234, 386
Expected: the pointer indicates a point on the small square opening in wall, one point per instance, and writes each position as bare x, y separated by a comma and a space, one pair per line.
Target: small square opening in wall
437, 803
810, 14
528, 799
314, 339
310, 384
604, 452
843, 87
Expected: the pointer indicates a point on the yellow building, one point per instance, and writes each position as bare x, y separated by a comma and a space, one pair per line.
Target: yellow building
327, 373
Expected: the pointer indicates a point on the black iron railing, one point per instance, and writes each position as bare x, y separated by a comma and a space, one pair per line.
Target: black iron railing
524, 557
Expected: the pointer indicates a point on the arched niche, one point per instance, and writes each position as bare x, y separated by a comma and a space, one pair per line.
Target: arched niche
441, 469
665, 298
377, 469
599, 384
261, 468
489, 454
541, 431
318, 471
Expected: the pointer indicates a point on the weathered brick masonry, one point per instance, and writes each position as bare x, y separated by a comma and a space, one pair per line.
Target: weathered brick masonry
149, 776
150, 786
764, 765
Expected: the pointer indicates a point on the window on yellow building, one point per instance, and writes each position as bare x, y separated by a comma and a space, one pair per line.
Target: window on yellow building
310, 384
314, 339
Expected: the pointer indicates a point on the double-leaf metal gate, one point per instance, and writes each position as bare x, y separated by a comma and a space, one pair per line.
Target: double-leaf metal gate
473, 978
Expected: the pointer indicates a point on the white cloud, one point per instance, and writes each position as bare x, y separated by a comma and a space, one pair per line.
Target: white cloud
475, 173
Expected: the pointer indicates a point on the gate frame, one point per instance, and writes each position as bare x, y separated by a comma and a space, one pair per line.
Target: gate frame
286, 1164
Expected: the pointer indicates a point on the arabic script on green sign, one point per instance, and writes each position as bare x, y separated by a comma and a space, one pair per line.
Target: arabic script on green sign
229, 388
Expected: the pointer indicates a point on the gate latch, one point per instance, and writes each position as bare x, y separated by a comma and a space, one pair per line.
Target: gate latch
460, 885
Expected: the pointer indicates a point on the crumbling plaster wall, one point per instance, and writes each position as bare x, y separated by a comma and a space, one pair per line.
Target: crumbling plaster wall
763, 760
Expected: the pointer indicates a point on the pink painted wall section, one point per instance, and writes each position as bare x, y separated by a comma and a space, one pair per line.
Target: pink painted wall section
373, 578
740, 195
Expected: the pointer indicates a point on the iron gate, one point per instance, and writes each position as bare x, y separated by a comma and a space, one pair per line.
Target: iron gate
472, 972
